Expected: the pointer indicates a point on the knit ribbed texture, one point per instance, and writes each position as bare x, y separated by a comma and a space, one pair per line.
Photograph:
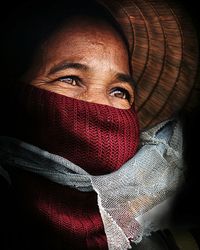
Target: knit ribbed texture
96, 137
58, 217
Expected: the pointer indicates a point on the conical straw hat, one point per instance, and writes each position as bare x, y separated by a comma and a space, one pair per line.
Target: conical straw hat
164, 53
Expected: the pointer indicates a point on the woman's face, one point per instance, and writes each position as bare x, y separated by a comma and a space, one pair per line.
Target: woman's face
85, 60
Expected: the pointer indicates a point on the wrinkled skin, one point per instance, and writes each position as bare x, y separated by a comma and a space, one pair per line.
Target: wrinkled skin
87, 60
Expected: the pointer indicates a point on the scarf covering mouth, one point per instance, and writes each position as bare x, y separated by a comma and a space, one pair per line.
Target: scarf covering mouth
98, 138
152, 176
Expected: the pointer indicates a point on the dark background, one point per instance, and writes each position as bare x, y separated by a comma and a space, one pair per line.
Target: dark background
187, 212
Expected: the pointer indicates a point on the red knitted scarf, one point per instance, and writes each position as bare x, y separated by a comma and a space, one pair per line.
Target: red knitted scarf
98, 138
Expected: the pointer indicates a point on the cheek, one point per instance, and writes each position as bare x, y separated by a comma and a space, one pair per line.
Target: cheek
119, 103
60, 88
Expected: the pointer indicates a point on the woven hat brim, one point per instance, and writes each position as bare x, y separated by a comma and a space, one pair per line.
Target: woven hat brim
164, 56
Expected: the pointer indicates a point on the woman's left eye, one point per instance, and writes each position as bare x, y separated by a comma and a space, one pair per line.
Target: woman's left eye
72, 80
120, 93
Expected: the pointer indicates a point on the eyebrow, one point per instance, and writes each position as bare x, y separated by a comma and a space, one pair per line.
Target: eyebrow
67, 65
126, 78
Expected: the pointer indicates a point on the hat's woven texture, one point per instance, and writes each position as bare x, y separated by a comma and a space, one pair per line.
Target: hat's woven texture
164, 50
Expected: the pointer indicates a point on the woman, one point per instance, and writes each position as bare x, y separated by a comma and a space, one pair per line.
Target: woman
74, 172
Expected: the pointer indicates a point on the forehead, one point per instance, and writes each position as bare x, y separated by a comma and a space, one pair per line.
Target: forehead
86, 37
87, 24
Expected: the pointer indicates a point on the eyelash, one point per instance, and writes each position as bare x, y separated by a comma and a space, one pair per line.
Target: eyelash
78, 83
74, 78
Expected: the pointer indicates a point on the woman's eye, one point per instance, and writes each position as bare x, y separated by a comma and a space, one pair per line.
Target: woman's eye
72, 80
121, 93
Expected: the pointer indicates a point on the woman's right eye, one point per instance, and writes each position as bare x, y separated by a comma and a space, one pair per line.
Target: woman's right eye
72, 80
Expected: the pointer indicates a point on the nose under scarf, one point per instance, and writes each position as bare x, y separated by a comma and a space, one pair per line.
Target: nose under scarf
96, 137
